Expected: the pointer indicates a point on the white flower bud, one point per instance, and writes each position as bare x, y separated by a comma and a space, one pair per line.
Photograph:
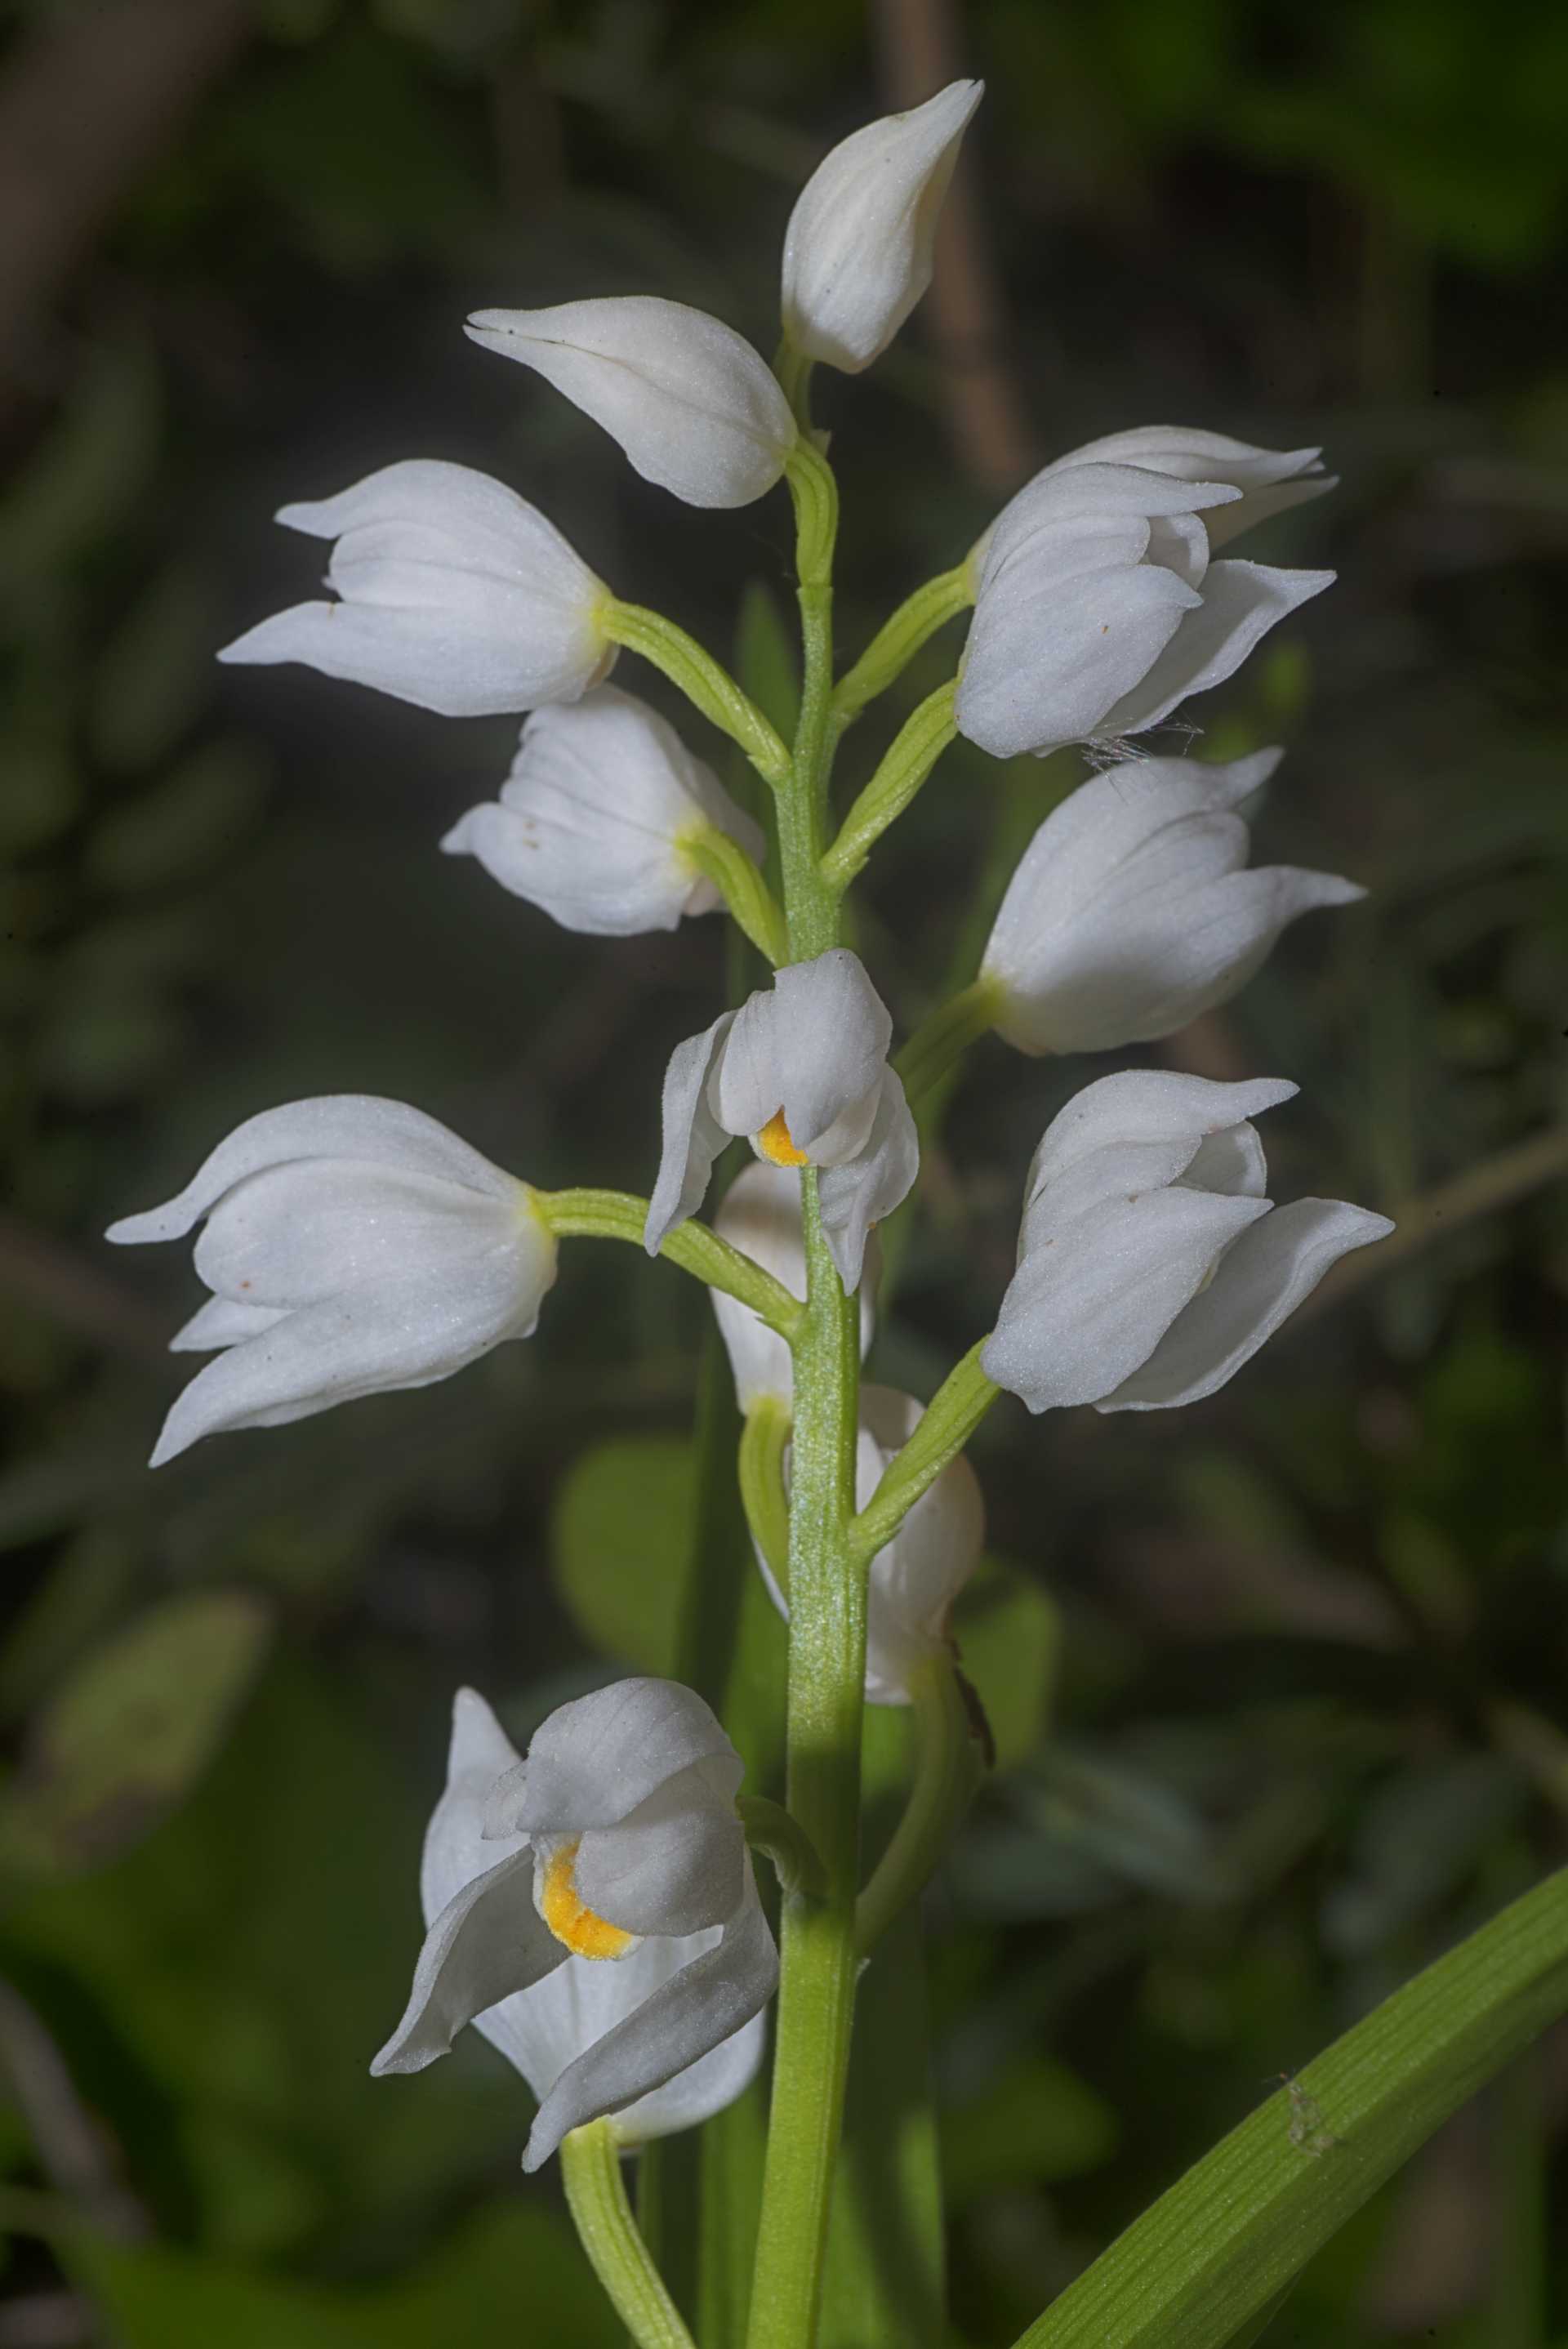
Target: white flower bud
858, 249
695, 407
1097, 607
593, 1911
456, 595
353, 1246
760, 1216
1150, 1265
593, 821
1132, 912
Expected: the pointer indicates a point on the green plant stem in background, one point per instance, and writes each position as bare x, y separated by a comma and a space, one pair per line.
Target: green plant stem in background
954, 1412
763, 1442
948, 1766
913, 753
939, 1043
1228, 2237
705, 682
725, 862
621, 1215
596, 2197
898, 640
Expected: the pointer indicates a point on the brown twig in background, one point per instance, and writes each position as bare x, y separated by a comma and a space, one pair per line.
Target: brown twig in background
88, 100
919, 51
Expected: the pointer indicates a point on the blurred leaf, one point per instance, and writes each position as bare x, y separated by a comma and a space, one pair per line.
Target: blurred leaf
76, 491
620, 1546
86, 1586
158, 2298
130, 1730
1418, 1837
766, 659
1216, 2250
197, 815
1036, 2122
1009, 1634
154, 674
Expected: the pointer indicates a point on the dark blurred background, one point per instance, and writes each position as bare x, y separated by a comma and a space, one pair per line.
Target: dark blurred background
1300, 1650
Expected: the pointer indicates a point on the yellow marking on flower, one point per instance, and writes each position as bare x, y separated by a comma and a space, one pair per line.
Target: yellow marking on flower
570, 1918
777, 1144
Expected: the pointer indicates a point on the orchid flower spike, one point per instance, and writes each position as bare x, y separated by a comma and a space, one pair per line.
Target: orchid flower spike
1097, 607
801, 1070
695, 408
595, 822
916, 1580
761, 1217
351, 1246
858, 249
1132, 912
592, 1909
454, 594
1150, 1265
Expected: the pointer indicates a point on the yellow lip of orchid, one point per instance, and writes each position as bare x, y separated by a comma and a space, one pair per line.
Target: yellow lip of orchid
776, 1143
568, 1916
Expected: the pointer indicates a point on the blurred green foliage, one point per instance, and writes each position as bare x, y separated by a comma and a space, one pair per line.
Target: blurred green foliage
1303, 1653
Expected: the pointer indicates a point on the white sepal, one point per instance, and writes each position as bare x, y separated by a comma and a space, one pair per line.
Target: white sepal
353, 1246
808, 1054
632, 1791
1150, 1265
858, 249
590, 823
1130, 912
1098, 608
695, 407
760, 1216
454, 594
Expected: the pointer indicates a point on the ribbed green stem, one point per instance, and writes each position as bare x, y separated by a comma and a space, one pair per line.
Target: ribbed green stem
914, 751
947, 1769
898, 640
622, 1215
596, 2198
725, 862
951, 1418
939, 1043
705, 682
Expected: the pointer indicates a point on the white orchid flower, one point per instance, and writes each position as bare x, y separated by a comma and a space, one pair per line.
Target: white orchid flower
917, 1575
760, 1216
801, 1070
1132, 911
1097, 607
454, 594
594, 822
593, 1911
353, 1246
1150, 1265
1270, 481
858, 249
697, 410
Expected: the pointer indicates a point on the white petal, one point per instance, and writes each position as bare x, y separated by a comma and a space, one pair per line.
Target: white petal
1188, 452
331, 1125
315, 1227
591, 822
489, 1941
916, 1580
1084, 1311
693, 1137
223, 1321
456, 1848
695, 407
854, 1196
858, 249
674, 1864
832, 1038
1116, 1170
761, 1217
403, 1333
702, 2007
1041, 670
1261, 1280
1148, 1105
1240, 603
593, 1761
703, 2088
1071, 491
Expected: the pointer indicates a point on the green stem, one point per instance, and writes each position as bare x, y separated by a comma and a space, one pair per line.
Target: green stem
954, 1412
898, 640
596, 2198
811, 904
947, 1769
764, 1440
939, 1043
725, 862
622, 1215
706, 683
770, 1830
913, 752
793, 369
